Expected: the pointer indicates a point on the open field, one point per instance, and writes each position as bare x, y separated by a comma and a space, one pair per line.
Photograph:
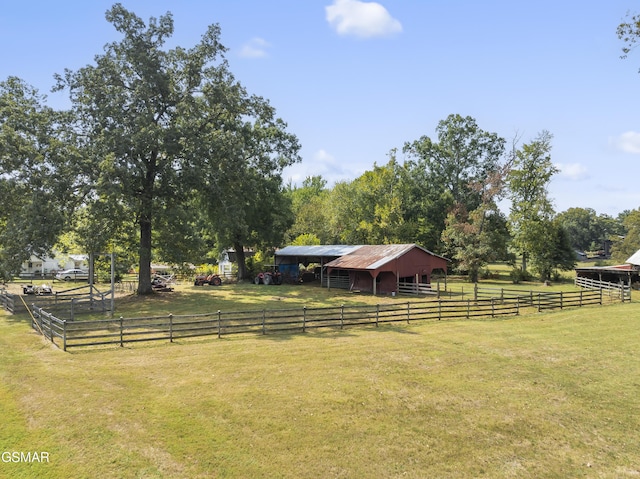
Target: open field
541, 395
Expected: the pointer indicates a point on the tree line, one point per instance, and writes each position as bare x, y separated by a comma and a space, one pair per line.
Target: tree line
448, 194
163, 155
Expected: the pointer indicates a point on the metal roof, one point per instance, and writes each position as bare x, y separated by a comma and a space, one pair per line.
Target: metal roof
634, 259
374, 256
319, 251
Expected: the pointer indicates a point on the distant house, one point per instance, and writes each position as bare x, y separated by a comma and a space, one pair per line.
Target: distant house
369, 268
49, 266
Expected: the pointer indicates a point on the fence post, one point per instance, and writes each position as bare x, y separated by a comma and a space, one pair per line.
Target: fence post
219, 324
493, 309
581, 298
561, 300
170, 327
468, 308
341, 316
439, 309
539, 297
64, 335
377, 313
264, 322
50, 327
600, 296
304, 319
408, 311
517, 305
121, 332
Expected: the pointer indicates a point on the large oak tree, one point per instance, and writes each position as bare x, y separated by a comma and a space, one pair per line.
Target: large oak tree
165, 128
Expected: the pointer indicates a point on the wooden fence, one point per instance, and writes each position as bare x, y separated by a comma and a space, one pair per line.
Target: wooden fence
7, 301
618, 290
121, 331
65, 304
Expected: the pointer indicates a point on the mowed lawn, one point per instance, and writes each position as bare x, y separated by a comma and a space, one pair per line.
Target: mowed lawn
540, 395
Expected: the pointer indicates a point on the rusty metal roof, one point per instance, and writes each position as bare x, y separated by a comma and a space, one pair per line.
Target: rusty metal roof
372, 257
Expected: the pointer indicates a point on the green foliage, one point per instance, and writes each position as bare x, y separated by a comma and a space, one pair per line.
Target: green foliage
624, 247
169, 130
38, 187
467, 241
308, 239
531, 215
586, 229
463, 155
518, 275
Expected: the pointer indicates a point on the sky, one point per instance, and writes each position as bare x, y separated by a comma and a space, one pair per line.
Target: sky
355, 79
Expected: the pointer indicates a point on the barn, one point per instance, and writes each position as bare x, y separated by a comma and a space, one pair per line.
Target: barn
628, 273
385, 268
376, 269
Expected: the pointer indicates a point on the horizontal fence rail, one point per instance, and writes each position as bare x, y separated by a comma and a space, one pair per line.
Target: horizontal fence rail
621, 290
121, 331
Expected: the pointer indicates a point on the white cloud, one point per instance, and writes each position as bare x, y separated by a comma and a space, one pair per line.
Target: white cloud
628, 142
324, 164
573, 171
362, 19
255, 48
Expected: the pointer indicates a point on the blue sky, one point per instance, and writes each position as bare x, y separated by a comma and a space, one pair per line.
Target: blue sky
355, 79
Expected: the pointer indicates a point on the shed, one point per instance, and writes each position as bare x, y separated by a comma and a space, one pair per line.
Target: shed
289, 258
382, 268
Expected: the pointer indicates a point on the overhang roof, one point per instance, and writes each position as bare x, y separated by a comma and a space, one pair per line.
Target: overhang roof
372, 257
634, 259
317, 251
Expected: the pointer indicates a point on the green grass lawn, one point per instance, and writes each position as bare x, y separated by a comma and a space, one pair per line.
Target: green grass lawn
541, 395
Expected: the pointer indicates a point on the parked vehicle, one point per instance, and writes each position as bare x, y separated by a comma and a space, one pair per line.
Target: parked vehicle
212, 279
37, 290
271, 276
72, 275
162, 282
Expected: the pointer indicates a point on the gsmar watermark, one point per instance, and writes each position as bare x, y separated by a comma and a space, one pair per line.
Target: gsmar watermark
21, 456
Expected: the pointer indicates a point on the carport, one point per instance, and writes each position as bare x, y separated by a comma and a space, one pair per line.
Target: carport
290, 258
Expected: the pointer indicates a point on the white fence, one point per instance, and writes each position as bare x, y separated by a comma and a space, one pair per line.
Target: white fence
618, 290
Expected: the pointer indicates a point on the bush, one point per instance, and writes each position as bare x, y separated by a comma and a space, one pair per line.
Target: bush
517, 275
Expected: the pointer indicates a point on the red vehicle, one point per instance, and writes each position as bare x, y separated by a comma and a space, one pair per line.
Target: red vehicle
273, 276
212, 279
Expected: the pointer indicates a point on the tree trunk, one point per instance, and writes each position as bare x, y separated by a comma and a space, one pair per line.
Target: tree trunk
144, 268
524, 262
240, 258
146, 215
